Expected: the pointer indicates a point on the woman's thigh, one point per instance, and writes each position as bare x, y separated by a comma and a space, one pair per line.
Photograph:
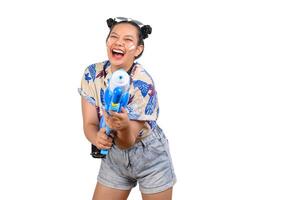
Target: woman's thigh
105, 193
165, 195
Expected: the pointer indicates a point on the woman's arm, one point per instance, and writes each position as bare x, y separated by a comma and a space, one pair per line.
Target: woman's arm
127, 130
92, 132
126, 137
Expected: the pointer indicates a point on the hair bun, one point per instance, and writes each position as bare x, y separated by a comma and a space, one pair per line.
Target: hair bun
110, 22
146, 30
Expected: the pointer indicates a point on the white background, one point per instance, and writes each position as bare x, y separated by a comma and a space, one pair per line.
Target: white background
228, 78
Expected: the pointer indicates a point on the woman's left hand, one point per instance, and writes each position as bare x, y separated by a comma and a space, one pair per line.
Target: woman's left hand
117, 121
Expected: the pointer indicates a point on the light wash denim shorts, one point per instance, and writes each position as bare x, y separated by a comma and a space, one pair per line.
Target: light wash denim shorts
148, 162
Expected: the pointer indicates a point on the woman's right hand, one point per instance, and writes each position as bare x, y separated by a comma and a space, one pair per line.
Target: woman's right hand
102, 141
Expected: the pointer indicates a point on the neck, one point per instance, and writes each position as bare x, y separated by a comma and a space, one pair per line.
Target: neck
126, 67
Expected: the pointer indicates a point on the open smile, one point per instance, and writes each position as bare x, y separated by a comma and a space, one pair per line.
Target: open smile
117, 53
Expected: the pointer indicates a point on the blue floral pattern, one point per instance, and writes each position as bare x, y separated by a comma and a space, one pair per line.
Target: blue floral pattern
143, 103
102, 97
92, 71
143, 86
87, 77
151, 105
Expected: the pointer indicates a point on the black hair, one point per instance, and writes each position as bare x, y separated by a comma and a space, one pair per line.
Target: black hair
143, 31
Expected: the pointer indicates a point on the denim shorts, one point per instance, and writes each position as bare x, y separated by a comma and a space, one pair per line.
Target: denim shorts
148, 162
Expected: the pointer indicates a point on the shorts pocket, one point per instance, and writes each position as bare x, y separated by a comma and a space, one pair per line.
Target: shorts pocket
156, 149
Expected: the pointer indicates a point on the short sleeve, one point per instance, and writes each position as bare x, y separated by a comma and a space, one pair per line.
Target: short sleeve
143, 104
88, 88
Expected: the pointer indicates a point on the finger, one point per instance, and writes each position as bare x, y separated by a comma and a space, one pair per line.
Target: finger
102, 131
104, 112
118, 115
112, 136
123, 113
123, 110
108, 119
104, 144
117, 126
107, 146
100, 146
115, 120
108, 140
105, 137
113, 114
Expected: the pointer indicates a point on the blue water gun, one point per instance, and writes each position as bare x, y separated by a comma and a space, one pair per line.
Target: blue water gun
116, 96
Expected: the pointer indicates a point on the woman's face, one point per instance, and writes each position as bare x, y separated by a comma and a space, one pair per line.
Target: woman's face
122, 45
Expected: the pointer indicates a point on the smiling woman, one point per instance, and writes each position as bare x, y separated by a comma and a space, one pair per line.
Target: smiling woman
139, 151
126, 39
123, 45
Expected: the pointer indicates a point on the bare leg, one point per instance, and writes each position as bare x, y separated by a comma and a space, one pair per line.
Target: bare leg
105, 193
165, 195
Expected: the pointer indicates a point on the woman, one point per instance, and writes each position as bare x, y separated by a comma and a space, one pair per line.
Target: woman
138, 148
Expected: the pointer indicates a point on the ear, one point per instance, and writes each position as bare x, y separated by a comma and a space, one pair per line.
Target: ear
139, 50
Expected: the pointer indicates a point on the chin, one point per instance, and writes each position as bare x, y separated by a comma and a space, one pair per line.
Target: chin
117, 63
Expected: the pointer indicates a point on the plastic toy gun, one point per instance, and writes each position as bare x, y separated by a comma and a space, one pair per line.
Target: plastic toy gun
116, 96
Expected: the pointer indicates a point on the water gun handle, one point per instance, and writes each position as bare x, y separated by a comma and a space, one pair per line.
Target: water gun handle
116, 107
104, 152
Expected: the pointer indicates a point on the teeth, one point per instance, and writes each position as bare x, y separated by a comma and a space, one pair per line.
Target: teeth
117, 51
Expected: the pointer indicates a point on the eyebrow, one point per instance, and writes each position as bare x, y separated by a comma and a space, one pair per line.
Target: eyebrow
129, 36
113, 33
124, 36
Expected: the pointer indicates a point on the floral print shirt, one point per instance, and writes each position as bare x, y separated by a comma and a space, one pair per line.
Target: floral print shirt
143, 102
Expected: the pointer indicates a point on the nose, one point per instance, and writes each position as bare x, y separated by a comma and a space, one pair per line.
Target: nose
119, 42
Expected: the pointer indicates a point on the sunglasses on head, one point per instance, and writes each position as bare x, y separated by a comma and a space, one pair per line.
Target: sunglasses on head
145, 29
125, 19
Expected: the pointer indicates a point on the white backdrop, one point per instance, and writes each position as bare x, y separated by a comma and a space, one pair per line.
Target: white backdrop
228, 78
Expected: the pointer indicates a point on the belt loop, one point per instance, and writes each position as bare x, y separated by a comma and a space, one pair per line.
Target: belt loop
143, 144
128, 158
